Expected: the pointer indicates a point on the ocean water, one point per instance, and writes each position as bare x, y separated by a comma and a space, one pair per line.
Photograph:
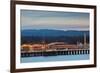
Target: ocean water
55, 58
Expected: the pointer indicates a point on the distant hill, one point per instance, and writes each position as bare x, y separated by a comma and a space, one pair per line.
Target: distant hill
51, 32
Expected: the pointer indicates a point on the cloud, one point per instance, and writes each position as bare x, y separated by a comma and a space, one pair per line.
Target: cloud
42, 21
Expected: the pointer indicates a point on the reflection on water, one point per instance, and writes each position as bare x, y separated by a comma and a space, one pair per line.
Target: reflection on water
55, 58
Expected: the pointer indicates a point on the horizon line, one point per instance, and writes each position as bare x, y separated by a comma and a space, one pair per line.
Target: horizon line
60, 29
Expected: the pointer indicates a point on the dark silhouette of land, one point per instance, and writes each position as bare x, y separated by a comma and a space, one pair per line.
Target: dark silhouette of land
37, 36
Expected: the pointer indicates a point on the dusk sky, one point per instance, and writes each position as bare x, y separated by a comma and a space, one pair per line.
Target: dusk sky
35, 19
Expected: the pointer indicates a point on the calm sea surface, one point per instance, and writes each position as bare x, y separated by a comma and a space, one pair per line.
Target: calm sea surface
54, 58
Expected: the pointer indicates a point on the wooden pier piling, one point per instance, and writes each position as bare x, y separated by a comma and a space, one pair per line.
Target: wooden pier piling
55, 53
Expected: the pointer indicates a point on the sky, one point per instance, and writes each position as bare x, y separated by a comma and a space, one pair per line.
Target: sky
39, 19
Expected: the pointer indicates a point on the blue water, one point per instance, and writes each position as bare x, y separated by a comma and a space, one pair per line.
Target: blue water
55, 58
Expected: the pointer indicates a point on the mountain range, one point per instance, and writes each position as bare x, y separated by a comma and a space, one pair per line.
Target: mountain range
52, 32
